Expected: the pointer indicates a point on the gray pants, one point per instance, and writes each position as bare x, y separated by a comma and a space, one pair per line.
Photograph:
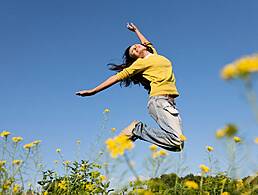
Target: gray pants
164, 111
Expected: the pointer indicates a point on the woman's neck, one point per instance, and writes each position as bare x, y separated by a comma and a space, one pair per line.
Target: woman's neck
145, 53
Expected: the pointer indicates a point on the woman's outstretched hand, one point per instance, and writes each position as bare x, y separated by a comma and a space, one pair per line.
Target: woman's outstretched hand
85, 93
131, 27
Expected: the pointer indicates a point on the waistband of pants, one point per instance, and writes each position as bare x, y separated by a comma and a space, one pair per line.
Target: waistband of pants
168, 96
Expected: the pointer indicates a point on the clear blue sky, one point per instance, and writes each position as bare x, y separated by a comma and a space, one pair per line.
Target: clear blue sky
51, 49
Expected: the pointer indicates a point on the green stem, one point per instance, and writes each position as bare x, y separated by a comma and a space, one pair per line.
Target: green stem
201, 183
251, 97
157, 168
131, 167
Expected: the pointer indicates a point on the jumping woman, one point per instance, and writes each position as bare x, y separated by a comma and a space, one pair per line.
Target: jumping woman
143, 65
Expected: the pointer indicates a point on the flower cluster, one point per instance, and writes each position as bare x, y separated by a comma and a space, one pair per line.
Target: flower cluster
241, 67
160, 153
229, 130
157, 153
118, 145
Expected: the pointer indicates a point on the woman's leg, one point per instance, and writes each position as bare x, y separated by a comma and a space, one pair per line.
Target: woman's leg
164, 112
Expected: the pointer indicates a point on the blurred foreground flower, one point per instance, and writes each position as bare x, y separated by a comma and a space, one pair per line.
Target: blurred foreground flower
204, 168
191, 184
256, 140
229, 130
241, 67
5, 134
118, 145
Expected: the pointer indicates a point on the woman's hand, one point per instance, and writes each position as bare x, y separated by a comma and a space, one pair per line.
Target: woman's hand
131, 27
84, 93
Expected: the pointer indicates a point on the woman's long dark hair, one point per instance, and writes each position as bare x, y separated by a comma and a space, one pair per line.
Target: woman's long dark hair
135, 79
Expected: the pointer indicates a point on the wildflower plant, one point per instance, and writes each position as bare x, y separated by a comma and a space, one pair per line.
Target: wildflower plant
15, 159
84, 178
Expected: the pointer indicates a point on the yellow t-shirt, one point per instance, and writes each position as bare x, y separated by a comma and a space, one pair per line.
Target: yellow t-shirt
155, 68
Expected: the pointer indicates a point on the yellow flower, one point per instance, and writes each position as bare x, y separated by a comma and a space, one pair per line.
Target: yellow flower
45, 193
7, 185
113, 129
36, 142
5, 134
78, 141
67, 162
229, 72
182, 137
16, 188
225, 193
28, 146
237, 139
89, 187
256, 140
241, 67
160, 153
103, 177
62, 185
204, 168
153, 148
142, 192
209, 148
17, 139
106, 110
229, 130
248, 64
191, 184
118, 145
17, 162
239, 183
163, 153
220, 133
2, 163
58, 150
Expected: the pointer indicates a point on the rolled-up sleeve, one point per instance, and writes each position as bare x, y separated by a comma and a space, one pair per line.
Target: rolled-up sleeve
135, 68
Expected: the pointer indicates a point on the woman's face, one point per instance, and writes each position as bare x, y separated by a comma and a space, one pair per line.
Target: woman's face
137, 51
